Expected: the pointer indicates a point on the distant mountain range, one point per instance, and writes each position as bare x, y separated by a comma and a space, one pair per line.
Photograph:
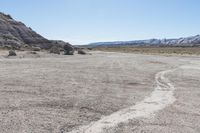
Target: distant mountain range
184, 42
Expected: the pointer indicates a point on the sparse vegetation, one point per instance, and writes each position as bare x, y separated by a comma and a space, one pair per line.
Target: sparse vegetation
153, 50
7, 47
32, 52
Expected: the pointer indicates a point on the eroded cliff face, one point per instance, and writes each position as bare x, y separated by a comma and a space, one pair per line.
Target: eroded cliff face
16, 33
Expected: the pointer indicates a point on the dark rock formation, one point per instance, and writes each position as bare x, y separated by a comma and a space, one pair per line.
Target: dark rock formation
15, 33
68, 49
12, 53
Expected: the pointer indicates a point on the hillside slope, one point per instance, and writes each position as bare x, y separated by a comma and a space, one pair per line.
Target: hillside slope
15, 33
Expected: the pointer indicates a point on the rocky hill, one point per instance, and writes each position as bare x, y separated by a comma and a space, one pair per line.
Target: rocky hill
187, 42
15, 33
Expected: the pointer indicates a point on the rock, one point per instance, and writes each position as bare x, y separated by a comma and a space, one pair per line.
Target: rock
36, 48
68, 52
80, 51
68, 49
12, 53
55, 50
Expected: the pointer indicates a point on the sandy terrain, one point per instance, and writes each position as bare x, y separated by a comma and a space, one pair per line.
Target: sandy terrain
99, 93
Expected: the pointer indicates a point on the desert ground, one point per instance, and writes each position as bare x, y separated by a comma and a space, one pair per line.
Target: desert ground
102, 92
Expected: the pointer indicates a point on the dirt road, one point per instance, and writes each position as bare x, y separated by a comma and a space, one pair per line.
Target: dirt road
99, 93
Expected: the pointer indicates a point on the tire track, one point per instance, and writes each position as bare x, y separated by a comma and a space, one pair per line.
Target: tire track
161, 97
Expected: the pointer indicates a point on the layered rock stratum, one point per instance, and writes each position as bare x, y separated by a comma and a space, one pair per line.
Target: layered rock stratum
17, 34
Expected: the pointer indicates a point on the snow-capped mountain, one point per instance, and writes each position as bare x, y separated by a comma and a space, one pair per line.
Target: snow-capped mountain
187, 41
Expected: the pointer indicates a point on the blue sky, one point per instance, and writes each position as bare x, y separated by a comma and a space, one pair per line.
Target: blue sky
85, 21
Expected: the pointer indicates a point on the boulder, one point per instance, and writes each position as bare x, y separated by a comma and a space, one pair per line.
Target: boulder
12, 53
55, 50
36, 48
80, 51
68, 52
68, 49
